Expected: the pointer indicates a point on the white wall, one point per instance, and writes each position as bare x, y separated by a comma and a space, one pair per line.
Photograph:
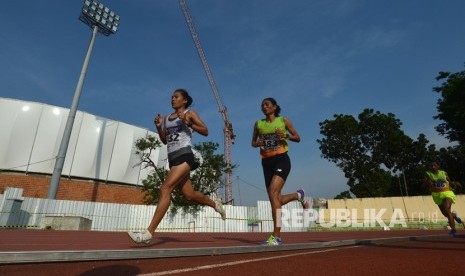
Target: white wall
99, 148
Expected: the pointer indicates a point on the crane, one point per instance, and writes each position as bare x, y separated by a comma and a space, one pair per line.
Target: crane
229, 136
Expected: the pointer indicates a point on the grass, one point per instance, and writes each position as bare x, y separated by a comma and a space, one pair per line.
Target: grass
411, 225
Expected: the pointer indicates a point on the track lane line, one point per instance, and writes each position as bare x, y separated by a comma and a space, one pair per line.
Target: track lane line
203, 267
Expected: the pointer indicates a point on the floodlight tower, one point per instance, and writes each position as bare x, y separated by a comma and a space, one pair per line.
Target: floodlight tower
100, 19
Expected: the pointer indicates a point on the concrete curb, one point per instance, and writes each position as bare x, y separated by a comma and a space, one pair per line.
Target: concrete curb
16, 257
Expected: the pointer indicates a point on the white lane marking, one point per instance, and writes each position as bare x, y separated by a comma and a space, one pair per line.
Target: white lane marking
168, 272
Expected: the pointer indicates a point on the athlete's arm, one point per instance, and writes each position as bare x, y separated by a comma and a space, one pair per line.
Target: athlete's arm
255, 141
293, 135
194, 122
427, 182
447, 177
158, 121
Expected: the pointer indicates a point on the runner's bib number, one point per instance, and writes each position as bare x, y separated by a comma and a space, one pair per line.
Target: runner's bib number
439, 184
270, 141
173, 137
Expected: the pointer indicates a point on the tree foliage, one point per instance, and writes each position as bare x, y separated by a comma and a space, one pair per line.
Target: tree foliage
210, 172
451, 106
451, 111
376, 156
378, 159
205, 179
343, 195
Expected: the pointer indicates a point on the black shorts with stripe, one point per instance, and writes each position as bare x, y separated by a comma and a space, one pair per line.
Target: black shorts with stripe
276, 165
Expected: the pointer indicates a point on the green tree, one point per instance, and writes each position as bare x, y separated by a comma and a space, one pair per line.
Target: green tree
451, 111
151, 185
451, 106
206, 178
413, 165
209, 174
374, 153
343, 195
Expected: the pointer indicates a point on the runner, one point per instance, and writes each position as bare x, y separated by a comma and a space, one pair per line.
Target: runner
439, 184
176, 132
271, 135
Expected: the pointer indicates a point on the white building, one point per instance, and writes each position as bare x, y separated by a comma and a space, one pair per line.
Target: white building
99, 148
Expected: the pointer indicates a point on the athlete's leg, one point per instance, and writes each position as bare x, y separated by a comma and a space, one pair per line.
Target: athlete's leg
285, 199
274, 195
177, 175
192, 195
446, 211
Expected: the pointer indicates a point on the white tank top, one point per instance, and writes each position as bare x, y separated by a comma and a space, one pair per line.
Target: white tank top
178, 137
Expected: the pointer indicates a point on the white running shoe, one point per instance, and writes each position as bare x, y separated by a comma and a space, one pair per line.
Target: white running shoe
141, 237
219, 208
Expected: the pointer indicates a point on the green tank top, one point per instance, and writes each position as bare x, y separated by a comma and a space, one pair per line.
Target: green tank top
438, 181
273, 144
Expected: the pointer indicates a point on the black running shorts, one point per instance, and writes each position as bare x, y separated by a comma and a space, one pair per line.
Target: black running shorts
276, 165
189, 158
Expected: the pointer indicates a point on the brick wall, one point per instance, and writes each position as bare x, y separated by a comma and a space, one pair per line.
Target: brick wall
72, 189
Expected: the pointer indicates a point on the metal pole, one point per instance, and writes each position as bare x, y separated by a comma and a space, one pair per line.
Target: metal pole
60, 160
405, 181
239, 191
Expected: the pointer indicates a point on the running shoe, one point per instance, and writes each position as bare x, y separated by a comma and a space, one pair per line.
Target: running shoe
305, 203
272, 240
456, 217
141, 237
453, 232
219, 208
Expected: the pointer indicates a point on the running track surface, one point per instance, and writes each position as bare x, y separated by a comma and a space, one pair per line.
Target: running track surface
433, 254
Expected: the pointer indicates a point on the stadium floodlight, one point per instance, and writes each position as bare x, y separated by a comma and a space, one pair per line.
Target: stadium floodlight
96, 14
100, 19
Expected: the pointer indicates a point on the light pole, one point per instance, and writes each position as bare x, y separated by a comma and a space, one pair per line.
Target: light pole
100, 19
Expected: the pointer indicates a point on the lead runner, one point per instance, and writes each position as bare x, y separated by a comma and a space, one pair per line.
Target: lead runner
176, 132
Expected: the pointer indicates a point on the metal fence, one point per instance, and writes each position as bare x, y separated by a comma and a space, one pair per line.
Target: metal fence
23, 212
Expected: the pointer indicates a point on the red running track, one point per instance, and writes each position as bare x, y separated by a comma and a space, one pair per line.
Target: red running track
440, 254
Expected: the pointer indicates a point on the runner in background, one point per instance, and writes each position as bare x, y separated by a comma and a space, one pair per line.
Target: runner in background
439, 184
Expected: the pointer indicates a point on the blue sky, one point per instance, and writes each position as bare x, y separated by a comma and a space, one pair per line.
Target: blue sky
316, 58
